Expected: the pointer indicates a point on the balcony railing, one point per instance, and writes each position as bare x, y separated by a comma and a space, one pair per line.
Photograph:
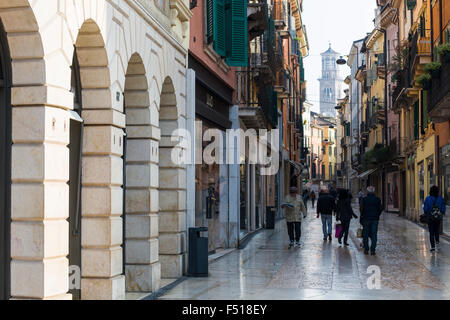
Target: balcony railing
420, 47
280, 14
282, 83
440, 92
393, 148
402, 83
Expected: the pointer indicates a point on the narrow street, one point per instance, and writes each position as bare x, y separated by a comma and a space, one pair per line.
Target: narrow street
266, 269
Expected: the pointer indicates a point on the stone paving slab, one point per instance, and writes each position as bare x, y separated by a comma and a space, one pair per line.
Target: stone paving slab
267, 269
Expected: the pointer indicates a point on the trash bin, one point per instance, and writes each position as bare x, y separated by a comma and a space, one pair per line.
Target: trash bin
198, 253
270, 218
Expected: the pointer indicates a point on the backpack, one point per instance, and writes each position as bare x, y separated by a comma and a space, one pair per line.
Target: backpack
435, 213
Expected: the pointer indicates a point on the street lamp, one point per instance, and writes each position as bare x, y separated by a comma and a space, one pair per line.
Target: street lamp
341, 61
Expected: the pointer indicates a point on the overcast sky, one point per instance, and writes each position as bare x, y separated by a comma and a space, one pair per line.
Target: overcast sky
337, 21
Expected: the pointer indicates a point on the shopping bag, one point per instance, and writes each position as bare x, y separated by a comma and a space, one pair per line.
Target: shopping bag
423, 218
338, 231
359, 233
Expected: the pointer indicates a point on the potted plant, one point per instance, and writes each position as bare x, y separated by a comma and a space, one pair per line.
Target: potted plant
433, 68
444, 51
424, 81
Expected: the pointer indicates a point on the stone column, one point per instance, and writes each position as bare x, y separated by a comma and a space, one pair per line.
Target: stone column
142, 270
102, 200
172, 188
40, 165
39, 197
190, 168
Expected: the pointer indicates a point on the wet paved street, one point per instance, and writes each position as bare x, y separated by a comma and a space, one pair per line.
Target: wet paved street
266, 269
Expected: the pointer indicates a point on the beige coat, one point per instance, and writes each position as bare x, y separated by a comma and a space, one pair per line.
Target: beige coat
293, 214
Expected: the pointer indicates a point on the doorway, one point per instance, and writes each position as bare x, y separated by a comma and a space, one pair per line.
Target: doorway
75, 176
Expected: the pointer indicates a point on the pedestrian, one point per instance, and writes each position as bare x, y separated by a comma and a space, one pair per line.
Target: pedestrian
333, 192
434, 207
360, 196
326, 205
344, 213
294, 212
312, 196
370, 215
305, 198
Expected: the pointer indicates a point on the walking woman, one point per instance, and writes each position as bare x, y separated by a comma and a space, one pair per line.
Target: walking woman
344, 213
434, 207
294, 212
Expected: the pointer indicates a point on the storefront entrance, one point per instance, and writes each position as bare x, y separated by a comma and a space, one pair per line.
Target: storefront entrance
5, 165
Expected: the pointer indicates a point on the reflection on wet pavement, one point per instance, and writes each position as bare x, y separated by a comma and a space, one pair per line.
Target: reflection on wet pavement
266, 269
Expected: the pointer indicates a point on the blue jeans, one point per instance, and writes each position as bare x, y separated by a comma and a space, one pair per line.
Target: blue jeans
370, 229
327, 220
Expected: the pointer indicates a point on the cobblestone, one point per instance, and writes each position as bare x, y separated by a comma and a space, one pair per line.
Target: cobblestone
267, 269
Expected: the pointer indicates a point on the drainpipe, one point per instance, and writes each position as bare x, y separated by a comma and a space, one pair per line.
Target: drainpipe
432, 33
440, 22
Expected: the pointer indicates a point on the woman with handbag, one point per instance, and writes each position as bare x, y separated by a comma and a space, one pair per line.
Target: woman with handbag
434, 208
344, 213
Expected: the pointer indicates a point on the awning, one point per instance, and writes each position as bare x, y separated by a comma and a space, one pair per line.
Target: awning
365, 174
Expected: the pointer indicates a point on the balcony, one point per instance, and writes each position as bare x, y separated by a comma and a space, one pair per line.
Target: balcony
356, 160
257, 14
419, 54
282, 84
439, 107
280, 14
364, 130
345, 141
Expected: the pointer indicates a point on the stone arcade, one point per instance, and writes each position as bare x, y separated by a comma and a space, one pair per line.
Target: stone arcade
89, 78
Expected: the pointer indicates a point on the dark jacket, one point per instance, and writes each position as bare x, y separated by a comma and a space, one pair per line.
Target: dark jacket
429, 203
371, 207
326, 204
344, 211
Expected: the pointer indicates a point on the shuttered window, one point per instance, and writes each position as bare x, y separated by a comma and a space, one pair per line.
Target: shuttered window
424, 110
237, 52
416, 120
226, 29
219, 28
209, 23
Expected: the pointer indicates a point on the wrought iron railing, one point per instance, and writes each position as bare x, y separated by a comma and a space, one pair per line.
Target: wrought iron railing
440, 87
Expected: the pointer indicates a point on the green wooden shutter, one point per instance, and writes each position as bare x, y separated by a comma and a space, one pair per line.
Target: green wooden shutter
416, 120
209, 23
237, 51
424, 110
411, 4
219, 27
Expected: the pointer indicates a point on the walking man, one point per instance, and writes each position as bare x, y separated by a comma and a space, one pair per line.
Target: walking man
305, 196
312, 196
326, 205
294, 211
344, 213
370, 215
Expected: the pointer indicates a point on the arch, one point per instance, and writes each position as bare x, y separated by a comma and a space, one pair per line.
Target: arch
102, 167
142, 268
5, 164
172, 185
